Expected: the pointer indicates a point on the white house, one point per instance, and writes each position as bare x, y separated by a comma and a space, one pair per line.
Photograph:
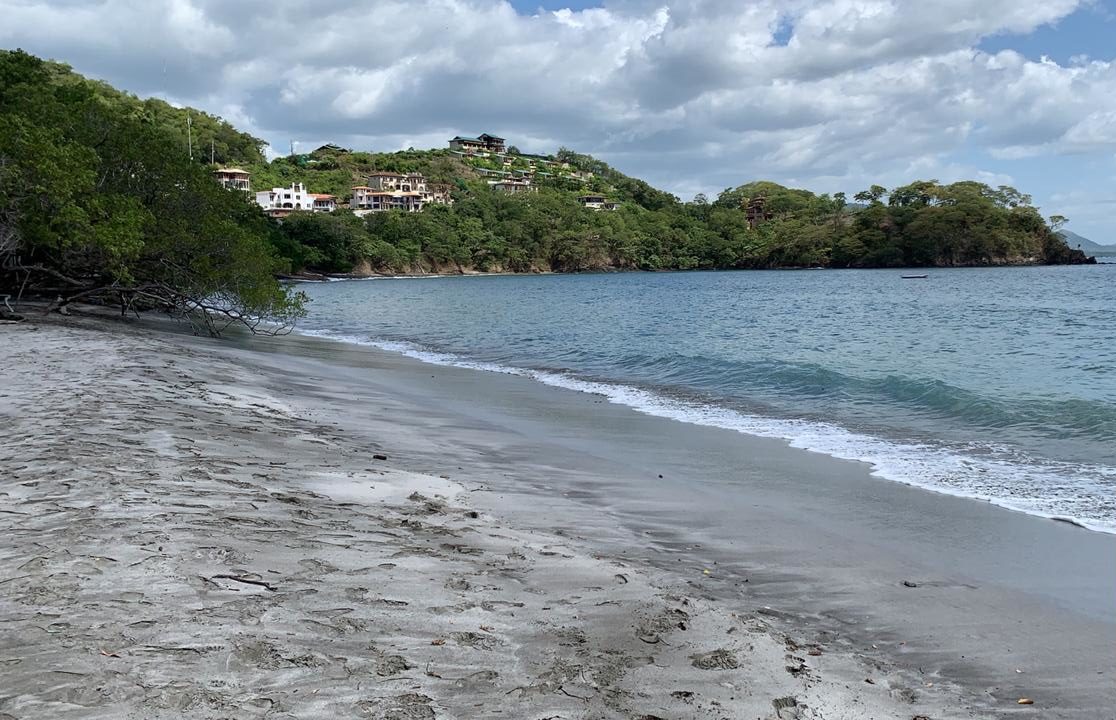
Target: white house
280, 202
408, 192
512, 187
597, 202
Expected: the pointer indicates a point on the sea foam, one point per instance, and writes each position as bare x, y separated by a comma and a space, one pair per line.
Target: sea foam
1029, 487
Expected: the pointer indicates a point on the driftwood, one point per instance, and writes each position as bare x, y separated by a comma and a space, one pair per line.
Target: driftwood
210, 315
246, 580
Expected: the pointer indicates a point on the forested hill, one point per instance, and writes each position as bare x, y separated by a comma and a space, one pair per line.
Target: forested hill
918, 225
105, 190
921, 224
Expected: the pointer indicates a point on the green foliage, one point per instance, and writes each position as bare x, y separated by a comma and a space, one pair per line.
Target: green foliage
967, 223
922, 224
327, 242
208, 138
872, 195
100, 202
919, 224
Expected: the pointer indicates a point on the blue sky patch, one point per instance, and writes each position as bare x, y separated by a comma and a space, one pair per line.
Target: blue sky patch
1091, 32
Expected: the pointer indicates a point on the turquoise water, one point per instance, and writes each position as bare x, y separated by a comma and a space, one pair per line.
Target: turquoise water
997, 383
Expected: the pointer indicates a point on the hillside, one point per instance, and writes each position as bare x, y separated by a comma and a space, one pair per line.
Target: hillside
334, 170
921, 224
1085, 244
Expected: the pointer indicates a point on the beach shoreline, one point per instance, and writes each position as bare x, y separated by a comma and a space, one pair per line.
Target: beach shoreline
289, 528
656, 402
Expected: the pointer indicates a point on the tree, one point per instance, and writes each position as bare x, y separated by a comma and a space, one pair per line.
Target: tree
920, 193
839, 203
1008, 196
331, 242
873, 194
102, 205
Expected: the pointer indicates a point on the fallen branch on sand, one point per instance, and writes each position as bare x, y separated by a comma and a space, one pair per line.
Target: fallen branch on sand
246, 580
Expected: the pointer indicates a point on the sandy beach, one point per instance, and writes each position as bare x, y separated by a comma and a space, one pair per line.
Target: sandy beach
286, 528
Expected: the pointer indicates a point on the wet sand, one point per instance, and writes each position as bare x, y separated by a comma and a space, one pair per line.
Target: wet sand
197, 528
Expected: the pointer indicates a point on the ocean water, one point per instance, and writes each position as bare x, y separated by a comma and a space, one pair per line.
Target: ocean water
997, 384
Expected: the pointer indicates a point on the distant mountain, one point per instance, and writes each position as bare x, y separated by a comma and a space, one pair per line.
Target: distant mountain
1087, 246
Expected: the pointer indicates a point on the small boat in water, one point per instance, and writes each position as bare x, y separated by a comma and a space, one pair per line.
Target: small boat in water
914, 277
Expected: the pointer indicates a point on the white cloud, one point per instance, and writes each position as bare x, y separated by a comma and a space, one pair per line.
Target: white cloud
1096, 130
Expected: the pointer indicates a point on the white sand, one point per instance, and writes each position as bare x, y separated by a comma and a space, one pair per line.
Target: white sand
178, 541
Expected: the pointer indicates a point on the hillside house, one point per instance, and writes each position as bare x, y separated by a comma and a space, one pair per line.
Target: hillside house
233, 178
397, 182
481, 143
531, 157
466, 145
408, 192
493, 144
512, 187
369, 199
361, 202
280, 202
597, 202
323, 203
755, 211
439, 194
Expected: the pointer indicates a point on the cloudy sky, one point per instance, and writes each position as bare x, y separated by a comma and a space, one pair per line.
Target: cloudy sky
692, 95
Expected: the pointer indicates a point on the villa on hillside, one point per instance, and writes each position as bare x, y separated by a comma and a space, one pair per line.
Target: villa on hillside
481, 143
535, 158
486, 172
597, 202
233, 178
323, 203
440, 194
402, 182
408, 192
755, 211
512, 187
281, 202
368, 199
